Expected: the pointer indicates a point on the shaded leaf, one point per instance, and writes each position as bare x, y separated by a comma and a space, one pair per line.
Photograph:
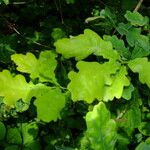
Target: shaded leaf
136, 19
2, 131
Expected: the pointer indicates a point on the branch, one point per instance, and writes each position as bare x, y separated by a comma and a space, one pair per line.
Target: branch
138, 5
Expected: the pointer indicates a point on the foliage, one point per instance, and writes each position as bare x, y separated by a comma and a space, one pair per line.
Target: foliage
74, 84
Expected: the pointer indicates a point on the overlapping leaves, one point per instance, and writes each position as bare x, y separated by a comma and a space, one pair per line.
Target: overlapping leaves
42, 68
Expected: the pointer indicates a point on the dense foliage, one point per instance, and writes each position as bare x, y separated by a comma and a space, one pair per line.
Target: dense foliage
74, 75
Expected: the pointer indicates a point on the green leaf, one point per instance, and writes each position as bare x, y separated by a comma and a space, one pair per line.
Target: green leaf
135, 39
14, 88
119, 81
42, 68
136, 19
58, 33
101, 129
6, 1
12, 147
143, 146
119, 46
49, 103
83, 45
131, 118
127, 92
29, 132
141, 66
14, 136
144, 128
88, 83
5, 52
2, 131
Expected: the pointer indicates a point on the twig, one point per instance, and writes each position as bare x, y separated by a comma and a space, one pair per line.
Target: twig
12, 27
138, 5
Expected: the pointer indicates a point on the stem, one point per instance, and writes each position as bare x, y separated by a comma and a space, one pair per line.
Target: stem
138, 5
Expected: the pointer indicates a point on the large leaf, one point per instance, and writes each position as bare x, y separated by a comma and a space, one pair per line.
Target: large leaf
14, 88
116, 88
135, 18
88, 84
42, 68
101, 129
49, 102
83, 45
141, 66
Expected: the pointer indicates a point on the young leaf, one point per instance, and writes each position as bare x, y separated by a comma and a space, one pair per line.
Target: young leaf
141, 66
116, 88
14, 88
88, 83
49, 102
42, 68
136, 19
83, 45
101, 129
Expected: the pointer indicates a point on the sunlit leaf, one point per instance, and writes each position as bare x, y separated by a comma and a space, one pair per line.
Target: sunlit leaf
101, 129
14, 88
42, 68
141, 66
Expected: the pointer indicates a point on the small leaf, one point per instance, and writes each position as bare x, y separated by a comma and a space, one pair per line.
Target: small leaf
101, 129
144, 128
136, 19
116, 88
14, 88
141, 66
49, 103
29, 132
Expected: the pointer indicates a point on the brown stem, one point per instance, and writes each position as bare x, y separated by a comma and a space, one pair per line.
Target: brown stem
138, 5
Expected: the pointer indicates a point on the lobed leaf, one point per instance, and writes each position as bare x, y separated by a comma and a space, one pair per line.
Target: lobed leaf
136, 19
83, 45
88, 84
116, 88
42, 68
49, 102
141, 66
101, 129
14, 88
